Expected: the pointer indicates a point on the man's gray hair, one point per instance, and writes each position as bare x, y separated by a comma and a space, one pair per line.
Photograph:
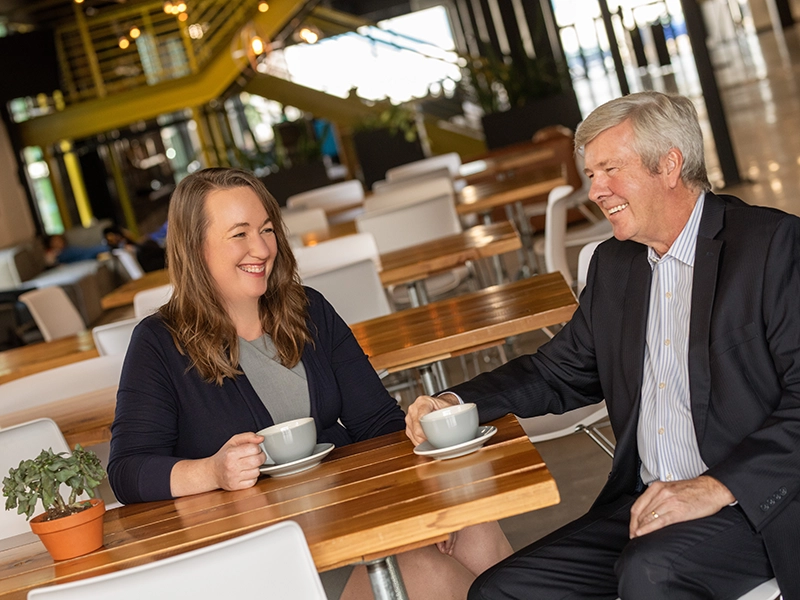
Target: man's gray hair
660, 122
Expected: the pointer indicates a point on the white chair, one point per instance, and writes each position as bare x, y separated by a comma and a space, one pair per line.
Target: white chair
400, 226
130, 264
273, 562
60, 383
410, 192
556, 237
584, 259
149, 301
18, 443
585, 419
335, 253
114, 338
354, 290
54, 313
302, 221
344, 193
451, 161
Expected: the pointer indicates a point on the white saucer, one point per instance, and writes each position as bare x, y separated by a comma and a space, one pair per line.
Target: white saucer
301, 464
484, 433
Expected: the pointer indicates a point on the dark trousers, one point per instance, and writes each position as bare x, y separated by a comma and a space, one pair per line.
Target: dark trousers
715, 557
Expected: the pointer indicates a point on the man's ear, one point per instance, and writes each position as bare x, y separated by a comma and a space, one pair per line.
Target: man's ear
672, 165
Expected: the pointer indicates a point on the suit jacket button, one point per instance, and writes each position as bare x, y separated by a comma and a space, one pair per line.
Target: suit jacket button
765, 507
783, 491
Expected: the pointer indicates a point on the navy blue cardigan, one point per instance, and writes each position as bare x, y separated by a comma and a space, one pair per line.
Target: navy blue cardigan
166, 412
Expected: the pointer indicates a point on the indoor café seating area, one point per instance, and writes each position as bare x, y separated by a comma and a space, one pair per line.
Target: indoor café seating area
449, 242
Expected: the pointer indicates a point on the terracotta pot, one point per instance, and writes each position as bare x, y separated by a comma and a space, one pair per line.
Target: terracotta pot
74, 535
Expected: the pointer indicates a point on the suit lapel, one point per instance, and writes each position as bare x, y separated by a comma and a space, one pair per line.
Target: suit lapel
704, 284
634, 327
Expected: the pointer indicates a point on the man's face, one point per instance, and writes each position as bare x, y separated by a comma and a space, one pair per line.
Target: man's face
632, 199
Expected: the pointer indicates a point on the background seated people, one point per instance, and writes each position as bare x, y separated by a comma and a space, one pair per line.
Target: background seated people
242, 345
149, 253
689, 329
58, 252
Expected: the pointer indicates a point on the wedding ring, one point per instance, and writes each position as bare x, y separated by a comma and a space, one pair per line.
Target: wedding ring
655, 514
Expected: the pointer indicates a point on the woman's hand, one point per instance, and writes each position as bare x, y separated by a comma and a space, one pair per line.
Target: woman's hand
235, 465
447, 546
421, 407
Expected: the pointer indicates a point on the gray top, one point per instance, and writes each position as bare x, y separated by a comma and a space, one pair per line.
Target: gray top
283, 391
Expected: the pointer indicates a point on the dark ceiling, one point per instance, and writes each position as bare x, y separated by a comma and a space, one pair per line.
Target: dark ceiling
24, 15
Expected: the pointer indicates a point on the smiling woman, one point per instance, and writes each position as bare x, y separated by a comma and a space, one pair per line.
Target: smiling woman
240, 346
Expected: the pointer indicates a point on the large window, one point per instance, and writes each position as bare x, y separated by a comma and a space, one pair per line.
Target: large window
401, 59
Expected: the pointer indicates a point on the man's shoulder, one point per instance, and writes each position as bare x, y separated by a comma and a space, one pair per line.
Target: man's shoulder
739, 215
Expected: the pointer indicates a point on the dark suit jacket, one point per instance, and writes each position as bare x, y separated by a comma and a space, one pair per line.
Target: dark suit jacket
744, 365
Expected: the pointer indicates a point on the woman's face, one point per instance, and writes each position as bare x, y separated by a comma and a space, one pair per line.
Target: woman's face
240, 245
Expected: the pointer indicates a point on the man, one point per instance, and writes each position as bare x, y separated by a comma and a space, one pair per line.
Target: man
689, 327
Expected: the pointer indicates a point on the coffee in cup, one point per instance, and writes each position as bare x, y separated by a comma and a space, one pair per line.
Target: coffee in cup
289, 441
452, 425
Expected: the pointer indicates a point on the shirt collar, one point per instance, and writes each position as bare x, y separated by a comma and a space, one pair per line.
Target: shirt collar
683, 248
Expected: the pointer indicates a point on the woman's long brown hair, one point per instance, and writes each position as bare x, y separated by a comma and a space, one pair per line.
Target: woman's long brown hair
195, 315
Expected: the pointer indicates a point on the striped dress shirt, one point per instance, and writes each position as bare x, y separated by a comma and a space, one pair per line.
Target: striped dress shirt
666, 436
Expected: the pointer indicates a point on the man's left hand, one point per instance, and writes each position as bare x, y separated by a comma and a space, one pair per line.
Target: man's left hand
665, 503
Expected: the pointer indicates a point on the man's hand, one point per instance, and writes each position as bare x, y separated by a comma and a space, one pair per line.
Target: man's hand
665, 503
421, 407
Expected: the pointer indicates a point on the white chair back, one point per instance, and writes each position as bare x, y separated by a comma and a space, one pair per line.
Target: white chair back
60, 383
302, 221
451, 161
354, 290
18, 443
273, 562
114, 338
149, 301
410, 192
54, 313
556, 237
329, 196
129, 262
335, 253
584, 259
399, 227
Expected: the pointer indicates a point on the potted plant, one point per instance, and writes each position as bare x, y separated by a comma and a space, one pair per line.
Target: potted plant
519, 96
386, 139
68, 527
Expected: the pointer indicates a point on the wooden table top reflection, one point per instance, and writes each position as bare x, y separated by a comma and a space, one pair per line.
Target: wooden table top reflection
531, 186
34, 358
365, 501
447, 328
123, 295
519, 157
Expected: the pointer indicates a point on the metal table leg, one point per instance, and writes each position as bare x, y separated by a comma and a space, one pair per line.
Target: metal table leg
428, 382
385, 578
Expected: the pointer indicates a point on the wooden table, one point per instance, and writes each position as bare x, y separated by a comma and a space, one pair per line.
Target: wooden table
534, 186
364, 503
410, 338
417, 337
34, 358
410, 266
489, 167
123, 295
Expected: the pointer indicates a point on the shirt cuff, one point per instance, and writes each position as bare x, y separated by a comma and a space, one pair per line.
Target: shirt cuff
457, 397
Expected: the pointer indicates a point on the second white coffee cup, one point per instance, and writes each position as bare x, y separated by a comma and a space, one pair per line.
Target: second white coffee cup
290, 440
452, 425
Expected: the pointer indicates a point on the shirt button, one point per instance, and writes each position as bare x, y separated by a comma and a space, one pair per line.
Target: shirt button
662, 385
669, 476
660, 431
666, 342
668, 295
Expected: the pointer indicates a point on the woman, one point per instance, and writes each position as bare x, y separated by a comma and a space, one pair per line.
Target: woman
242, 345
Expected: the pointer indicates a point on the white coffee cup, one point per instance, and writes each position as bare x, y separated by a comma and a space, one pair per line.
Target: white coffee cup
290, 440
452, 425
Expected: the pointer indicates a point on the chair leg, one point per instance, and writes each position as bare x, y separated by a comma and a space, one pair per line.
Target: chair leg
605, 444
